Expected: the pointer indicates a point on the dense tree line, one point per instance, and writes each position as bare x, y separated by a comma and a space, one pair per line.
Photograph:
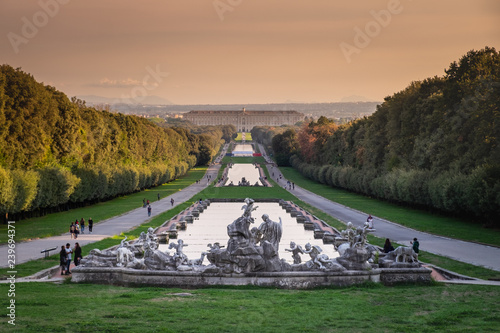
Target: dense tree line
434, 144
56, 153
280, 140
206, 138
227, 132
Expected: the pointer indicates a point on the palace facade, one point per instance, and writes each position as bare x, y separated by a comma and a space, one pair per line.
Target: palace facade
244, 120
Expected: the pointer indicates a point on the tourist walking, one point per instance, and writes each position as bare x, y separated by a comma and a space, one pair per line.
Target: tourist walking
72, 230
172, 201
158, 196
77, 229
62, 259
68, 258
91, 224
78, 254
82, 225
149, 210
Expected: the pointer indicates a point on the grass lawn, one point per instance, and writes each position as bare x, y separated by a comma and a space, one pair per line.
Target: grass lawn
58, 223
366, 308
243, 159
370, 308
248, 136
413, 218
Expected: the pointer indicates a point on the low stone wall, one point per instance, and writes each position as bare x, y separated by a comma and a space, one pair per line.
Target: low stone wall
284, 280
392, 276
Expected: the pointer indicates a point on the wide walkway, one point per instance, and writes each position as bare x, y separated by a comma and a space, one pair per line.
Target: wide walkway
472, 253
30, 250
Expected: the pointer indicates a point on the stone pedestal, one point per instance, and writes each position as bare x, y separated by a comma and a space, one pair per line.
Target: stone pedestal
355, 258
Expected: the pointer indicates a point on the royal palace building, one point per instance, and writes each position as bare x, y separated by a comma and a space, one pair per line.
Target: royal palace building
244, 120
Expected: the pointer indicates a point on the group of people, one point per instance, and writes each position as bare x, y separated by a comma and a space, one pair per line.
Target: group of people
66, 255
388, 245
78, 227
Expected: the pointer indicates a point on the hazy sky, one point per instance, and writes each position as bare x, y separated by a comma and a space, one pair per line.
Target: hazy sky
241, 51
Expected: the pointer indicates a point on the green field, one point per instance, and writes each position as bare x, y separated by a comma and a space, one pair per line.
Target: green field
243, 159
370, 308
366, 308
248, 136
58, 223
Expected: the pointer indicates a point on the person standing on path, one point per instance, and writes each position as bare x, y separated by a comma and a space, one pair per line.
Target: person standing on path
149, 210
62, 259
82, 225
172, 201
72, 230
416, 245
158, 196
68, 258
370, 221
78, 254
91, 224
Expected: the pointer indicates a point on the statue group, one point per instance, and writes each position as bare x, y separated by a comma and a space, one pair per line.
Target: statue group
249, 249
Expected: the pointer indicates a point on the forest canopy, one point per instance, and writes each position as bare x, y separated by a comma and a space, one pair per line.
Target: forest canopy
432, 145
55, 151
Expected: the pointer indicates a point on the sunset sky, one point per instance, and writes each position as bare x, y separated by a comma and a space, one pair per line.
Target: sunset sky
241, 51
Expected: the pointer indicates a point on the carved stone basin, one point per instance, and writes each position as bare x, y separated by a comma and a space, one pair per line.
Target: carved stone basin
212, 227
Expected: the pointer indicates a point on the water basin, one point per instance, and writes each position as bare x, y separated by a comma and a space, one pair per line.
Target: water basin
212, 227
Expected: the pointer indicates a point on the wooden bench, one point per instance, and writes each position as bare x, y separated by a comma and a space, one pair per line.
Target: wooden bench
46, 251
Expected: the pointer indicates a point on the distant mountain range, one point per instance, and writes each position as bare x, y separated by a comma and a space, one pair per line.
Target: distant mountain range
147, 100
155, 100
356, 98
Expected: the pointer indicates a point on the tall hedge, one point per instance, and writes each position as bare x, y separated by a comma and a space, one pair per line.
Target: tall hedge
432, 145
57, 153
